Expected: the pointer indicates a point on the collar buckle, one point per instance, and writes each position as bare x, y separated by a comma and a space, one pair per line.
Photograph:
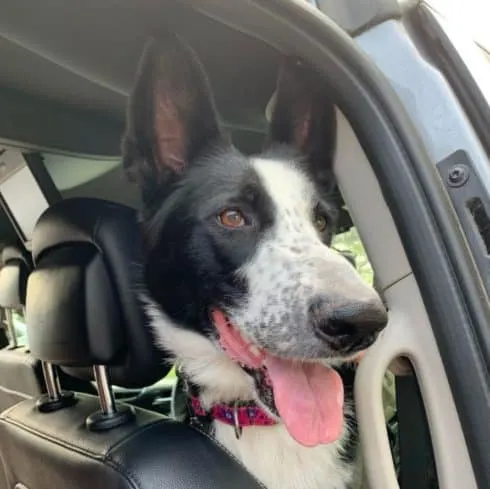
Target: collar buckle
236, 422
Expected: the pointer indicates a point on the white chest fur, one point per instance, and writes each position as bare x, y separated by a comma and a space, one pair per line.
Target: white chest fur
274, 458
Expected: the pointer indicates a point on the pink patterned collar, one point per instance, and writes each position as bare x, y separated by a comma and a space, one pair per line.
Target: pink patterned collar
238, 415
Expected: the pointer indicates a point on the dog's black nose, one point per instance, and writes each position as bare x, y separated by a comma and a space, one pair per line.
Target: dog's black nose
332, 319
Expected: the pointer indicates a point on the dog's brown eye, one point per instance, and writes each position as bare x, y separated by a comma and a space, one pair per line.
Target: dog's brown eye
321, 223
231, 218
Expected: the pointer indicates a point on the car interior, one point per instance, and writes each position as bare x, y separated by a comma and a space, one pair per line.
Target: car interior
88, 399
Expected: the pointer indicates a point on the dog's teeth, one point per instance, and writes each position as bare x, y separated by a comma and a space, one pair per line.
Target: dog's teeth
254, 350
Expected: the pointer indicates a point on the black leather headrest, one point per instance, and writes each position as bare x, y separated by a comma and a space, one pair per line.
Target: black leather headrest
13, 278
82, 305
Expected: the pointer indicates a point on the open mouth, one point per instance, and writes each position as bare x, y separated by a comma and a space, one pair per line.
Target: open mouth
307, 396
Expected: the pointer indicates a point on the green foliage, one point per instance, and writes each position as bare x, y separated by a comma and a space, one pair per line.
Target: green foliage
350, 241
172, 374
20, 328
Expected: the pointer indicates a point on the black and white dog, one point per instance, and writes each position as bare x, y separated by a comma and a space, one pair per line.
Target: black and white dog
244, 291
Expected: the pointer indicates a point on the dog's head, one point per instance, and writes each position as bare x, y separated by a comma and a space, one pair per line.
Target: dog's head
238, 248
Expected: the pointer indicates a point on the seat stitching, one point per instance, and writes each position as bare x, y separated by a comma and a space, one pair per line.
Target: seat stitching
60, 442
108, 457
129, 476
135, 433
4, 414
94, 456
18, 393
51, 439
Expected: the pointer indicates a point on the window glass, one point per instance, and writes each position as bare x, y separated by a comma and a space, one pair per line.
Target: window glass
350, 241
471, 15
79, 176
20, 328
466, 25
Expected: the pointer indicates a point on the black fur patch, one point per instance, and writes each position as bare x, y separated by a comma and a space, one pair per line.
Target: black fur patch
192, 261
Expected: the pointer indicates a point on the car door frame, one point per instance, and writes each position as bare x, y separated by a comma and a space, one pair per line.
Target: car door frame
452, 289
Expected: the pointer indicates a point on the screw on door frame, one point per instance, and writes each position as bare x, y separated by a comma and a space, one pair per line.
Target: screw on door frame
458, 175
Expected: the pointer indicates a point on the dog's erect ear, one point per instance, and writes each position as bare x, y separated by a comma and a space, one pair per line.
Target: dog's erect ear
304, 117
171, 114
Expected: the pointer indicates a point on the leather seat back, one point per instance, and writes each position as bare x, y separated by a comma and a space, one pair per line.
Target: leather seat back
82, 311
20, 374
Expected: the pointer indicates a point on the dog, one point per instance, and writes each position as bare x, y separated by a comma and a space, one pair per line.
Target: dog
244, 291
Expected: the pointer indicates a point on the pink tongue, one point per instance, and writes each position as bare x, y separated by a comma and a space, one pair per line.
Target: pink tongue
309, 398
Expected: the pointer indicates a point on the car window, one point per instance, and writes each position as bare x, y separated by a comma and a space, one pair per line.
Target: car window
20, 328
471, 15
83, 176
351, 242
466, 25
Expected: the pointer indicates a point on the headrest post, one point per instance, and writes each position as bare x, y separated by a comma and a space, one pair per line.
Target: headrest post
52, 382
110, 415
55, 398
9, 321
106, 396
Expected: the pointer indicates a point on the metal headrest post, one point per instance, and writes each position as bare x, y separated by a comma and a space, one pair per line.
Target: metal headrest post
55, 398
110, 415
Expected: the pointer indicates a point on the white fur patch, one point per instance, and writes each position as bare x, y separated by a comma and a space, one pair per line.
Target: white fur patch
279, 462
290, 268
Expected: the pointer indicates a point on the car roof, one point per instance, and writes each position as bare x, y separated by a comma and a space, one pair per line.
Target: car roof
73, 64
